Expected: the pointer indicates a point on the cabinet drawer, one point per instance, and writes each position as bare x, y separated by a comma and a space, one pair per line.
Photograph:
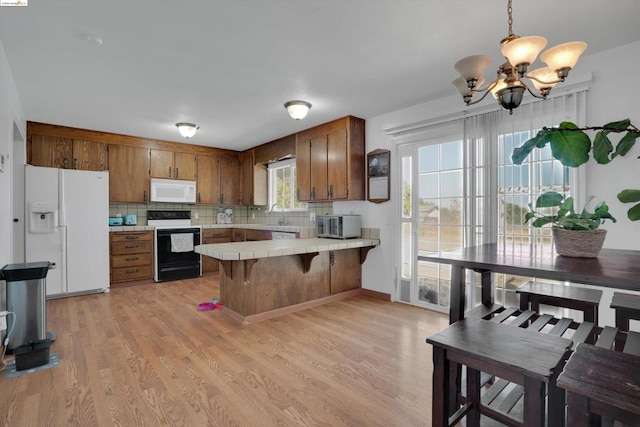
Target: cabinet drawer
253, 235
131, 273
216, 232
131, 260
124, 248
131, 236
238, 235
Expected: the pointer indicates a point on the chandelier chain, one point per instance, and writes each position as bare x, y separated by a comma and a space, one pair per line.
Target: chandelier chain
510, 13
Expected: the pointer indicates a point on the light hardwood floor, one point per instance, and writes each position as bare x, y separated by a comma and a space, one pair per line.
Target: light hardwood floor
144, 356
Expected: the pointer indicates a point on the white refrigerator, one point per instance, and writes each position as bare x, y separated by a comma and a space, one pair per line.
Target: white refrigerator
67, 223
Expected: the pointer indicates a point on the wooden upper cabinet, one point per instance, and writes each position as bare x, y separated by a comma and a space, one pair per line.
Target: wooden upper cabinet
247, 177
330, 161
186, 166
208, 182
90, 155
303, 169
337, 165
318, 150
254, 181
51, 151
161, 164
68, 153
128, 174
230, 193
173, 165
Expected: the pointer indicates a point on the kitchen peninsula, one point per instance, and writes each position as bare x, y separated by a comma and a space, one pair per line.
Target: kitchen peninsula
264, 279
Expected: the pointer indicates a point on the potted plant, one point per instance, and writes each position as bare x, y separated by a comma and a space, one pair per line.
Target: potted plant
571, 145
575, 234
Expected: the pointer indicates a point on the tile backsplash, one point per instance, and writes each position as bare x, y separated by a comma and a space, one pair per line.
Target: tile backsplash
241, 214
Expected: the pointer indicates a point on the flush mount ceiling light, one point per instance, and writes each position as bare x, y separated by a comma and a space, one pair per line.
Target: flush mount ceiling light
297, 109
520, 52
187, 129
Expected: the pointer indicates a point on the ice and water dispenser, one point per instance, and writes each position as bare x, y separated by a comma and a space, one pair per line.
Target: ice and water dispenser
42, 217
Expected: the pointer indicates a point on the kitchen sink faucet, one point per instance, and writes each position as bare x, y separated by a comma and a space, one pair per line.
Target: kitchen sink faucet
281, 221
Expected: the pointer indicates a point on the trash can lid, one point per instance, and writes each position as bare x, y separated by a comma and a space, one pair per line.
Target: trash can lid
24, 271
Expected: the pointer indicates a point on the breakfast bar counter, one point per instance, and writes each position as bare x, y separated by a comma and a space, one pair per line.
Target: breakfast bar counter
264, 279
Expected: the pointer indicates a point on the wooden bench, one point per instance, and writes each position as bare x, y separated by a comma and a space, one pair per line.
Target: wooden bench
516, 355
587, 300
627, 307
601, 382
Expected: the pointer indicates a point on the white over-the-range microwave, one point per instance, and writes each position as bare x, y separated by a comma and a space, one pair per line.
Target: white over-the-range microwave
338, 226
173, 191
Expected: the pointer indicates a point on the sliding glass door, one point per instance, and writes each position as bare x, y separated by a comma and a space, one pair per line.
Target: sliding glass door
460, 188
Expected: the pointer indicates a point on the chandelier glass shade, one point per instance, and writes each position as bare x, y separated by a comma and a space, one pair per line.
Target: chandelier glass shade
297, 109
187, 129
509, 86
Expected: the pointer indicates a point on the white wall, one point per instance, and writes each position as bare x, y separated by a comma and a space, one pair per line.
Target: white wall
613, 96
11, 113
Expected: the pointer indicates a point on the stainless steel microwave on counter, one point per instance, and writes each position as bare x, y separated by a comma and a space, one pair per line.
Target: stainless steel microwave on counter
338, 226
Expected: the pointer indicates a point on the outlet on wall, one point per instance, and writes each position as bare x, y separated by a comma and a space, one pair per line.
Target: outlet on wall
312, 217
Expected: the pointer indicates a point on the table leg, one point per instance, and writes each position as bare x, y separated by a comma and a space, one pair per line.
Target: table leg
440, 392
533, 402
457, 299
487, 288
473, 397
556, 401
577, 410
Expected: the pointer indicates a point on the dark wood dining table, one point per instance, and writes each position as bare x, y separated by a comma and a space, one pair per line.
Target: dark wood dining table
614, 268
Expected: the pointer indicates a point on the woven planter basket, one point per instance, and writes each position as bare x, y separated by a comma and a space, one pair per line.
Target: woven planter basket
579, 243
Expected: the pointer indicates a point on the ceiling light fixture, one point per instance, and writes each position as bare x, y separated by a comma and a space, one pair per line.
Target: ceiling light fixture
297, 109
187, 129
508, 87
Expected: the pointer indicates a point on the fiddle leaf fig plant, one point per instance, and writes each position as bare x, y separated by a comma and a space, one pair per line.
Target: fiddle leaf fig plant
571, 145
565, 216
631, 196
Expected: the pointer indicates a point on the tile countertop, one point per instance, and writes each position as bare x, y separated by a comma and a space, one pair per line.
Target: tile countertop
274, 248
305, 231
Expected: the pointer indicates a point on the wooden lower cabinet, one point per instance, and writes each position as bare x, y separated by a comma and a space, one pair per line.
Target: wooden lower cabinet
238, 235
256, 286
346, 270
251, 235
213, 235
131, 255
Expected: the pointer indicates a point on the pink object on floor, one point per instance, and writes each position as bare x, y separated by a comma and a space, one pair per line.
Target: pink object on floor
206, 306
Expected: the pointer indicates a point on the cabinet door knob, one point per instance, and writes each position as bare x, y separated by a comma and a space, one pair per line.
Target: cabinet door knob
75, 163
177, 173
144, 196
169, 171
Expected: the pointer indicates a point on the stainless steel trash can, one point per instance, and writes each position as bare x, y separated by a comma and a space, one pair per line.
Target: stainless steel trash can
26, 297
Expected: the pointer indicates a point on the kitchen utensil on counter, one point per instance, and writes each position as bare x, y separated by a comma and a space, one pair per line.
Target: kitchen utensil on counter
130, 219
115, 221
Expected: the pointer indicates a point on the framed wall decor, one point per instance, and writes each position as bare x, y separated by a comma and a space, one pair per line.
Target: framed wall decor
378, 181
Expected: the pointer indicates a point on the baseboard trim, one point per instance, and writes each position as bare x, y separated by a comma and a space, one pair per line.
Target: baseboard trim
253, 318
375, 294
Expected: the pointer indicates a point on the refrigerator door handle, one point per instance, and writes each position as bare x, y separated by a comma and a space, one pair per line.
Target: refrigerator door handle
63, 249
62, 215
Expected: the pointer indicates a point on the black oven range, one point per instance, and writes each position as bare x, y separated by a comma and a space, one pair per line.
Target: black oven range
174, 243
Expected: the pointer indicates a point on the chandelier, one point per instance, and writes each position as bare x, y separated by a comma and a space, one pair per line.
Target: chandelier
509, 87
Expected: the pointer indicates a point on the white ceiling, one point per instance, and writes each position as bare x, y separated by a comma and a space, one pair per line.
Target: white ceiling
229, 65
